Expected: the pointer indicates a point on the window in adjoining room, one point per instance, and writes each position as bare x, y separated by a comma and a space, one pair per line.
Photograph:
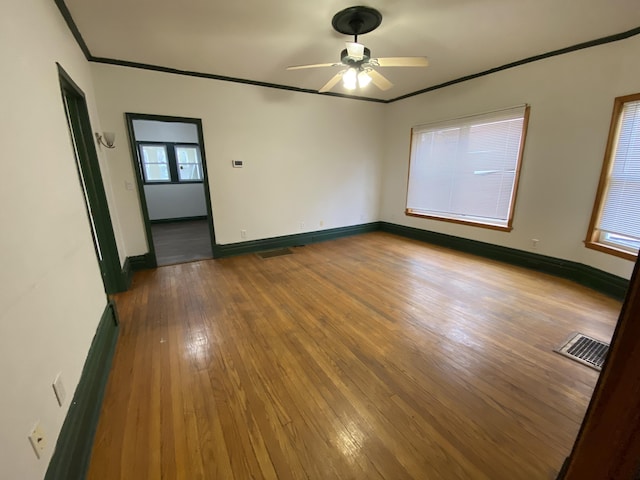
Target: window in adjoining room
466, 170
165, 162
615, 221
155, 163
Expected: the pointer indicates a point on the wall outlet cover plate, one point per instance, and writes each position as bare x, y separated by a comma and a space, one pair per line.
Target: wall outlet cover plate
38, 439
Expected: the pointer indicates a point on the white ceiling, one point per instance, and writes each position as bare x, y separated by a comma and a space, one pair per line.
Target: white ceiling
257, 39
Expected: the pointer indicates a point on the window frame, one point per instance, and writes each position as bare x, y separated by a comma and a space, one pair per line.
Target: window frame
199, 153
475, 223
172, 160
141, 145
593, 240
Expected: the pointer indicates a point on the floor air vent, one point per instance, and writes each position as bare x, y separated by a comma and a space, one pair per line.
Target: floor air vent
275, 253
584, 349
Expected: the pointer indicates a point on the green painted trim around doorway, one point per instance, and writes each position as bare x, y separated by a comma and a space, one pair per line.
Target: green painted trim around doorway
72, 453
151, 261
90, 176
141, 262
127, 274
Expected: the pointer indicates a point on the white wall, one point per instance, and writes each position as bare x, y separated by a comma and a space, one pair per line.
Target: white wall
571, 98
52, 294
166, 201
307, 158
155, 131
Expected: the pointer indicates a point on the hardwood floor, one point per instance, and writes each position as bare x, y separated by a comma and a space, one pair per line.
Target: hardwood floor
181, 242
369, 357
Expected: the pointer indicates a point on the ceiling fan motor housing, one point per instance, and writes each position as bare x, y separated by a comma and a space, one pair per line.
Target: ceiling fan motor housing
352, 62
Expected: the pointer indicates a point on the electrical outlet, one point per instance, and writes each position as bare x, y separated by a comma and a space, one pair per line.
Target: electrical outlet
38, 439
58, 389
321, 223
534, 243
243, 233
302, 225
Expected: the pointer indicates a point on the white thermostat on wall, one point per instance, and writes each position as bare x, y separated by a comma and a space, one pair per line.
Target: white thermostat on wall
237, 163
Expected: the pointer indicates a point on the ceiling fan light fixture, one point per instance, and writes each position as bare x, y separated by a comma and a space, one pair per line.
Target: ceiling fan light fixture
358, 66
355, 50
363, 79
349, 79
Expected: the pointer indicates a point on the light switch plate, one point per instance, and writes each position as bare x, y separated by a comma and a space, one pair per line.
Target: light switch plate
58, 389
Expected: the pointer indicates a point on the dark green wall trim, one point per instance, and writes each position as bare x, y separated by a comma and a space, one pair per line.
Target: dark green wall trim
127, 274
179, 219
123, 63
600, 281
141, 262
90, 176
291, 240
603, 282
535, 58
72, 453
211, 76
66, 14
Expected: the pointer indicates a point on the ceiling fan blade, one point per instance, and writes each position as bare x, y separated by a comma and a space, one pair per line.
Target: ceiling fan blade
316, 65
379, 81
403, 62
355, 50
332, 83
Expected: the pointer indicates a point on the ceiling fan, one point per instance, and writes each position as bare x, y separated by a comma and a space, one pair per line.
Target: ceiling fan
359, 66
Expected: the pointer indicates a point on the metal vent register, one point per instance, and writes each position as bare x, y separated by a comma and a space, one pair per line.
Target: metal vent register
275, 253
584, 349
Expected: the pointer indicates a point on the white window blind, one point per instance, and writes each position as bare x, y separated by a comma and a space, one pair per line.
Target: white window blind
466, 169
621, 210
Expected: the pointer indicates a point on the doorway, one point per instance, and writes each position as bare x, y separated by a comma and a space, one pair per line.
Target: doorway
170, 165
86, 159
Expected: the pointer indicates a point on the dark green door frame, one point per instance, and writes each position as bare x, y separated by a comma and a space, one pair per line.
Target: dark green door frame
75, 106
151, 261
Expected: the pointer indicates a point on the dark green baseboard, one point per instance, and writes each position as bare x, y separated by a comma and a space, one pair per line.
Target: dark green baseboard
603, 282
253, 246
127, 274
72, 453
141, 262
179, 219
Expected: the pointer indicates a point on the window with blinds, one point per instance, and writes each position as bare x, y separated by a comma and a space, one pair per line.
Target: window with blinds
466, 170
615, 222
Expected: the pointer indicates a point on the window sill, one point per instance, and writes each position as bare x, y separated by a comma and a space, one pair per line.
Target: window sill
611, 250
490, 226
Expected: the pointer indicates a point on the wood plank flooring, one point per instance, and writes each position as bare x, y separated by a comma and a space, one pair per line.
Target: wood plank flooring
181, 242
369, 357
